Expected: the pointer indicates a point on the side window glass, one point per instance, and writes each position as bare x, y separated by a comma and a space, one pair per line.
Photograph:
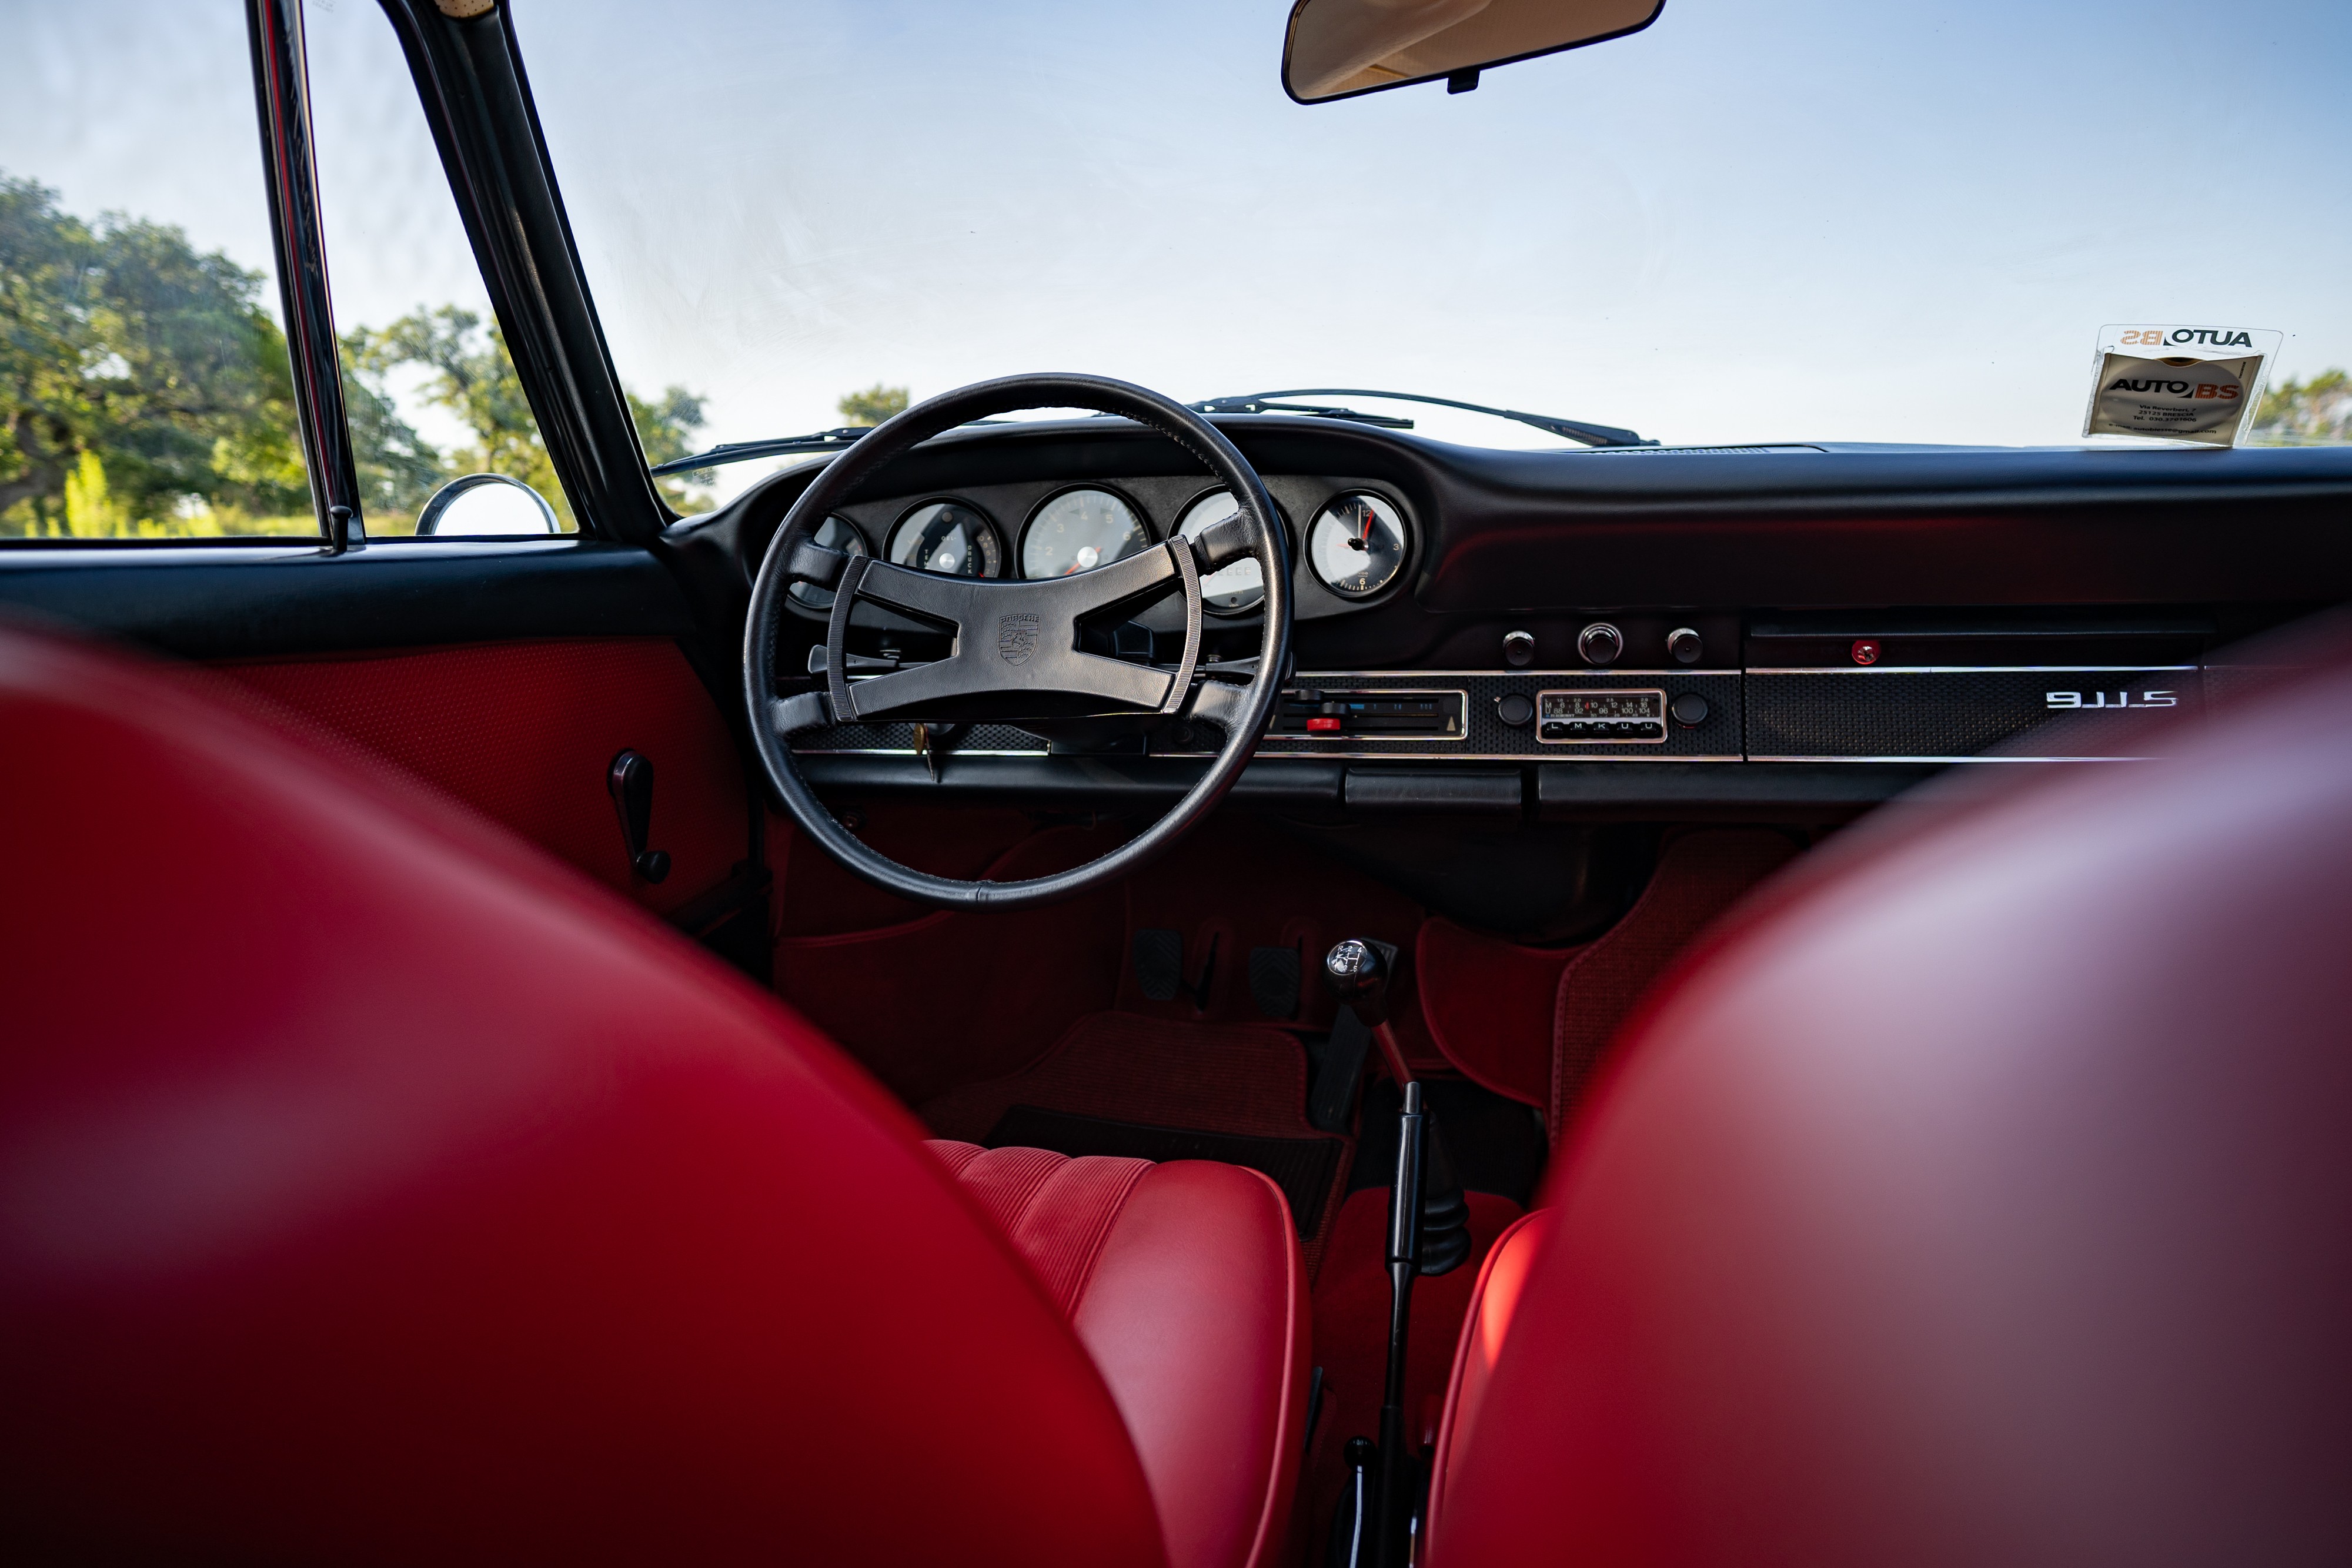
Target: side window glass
430, 393
435, 403
146, 392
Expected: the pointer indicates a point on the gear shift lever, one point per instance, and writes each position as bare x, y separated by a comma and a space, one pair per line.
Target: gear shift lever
1429, 1231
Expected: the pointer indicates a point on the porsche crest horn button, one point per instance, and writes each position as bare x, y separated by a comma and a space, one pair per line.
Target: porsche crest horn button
1016, 637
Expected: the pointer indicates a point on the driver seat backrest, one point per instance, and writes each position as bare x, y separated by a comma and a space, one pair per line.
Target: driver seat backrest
371, 1190
1986, 1198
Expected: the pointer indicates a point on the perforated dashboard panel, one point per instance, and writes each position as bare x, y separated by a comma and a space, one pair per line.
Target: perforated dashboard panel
1955, 714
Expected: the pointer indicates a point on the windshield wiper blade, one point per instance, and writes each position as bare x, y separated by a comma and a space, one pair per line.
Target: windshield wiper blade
1571, 429
775, 446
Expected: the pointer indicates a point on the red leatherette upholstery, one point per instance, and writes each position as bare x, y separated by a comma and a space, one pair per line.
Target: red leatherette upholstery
1502, 1283
525, 732
372, 1190
1185, 1282
1987, 1200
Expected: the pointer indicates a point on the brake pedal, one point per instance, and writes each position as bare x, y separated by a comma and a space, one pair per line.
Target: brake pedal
1159, 963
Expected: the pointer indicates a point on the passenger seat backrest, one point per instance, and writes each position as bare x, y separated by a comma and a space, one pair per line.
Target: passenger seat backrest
1988, 1201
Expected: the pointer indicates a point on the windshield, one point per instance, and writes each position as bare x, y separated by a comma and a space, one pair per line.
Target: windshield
1841, 220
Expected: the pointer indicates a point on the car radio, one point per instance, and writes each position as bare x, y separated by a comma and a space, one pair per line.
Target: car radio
1601, 718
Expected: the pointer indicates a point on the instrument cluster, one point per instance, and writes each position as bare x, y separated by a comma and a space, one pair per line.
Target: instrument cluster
1358, 541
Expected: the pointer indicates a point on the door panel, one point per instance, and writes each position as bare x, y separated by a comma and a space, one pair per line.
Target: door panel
523, 732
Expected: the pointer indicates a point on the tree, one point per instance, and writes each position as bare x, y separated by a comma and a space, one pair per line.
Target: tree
2316, 413
121, 345
146, 392
470, 375
666, 431
872, 406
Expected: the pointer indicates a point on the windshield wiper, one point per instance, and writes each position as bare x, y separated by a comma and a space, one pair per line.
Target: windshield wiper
775, 446
1262, 403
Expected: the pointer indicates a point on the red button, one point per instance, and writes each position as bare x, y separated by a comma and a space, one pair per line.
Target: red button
1865, 652
1322, 726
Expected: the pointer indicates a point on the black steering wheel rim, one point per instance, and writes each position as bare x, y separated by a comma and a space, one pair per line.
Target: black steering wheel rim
1244, 712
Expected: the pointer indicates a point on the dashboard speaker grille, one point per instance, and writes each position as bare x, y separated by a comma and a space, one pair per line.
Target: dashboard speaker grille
1937, 715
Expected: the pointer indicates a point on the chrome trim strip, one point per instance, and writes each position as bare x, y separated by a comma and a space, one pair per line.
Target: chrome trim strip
1530, 758
1979, 757
904, 751
1968, 669
1529, 673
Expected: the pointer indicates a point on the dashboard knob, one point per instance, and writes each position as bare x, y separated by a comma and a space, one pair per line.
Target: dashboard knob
1686, 645
1600, 643
1518, 649
1518, 710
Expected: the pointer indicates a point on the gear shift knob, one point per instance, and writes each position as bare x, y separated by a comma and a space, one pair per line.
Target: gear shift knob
1358, 973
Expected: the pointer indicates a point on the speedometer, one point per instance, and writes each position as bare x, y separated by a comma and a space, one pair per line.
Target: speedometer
1356, 544
1079, 530
948, 537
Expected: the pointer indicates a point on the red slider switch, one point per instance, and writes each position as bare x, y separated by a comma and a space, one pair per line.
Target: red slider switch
1322, 726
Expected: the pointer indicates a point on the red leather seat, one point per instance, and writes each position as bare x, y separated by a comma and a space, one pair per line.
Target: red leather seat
1185, 1283
374, 1190
1986, 1199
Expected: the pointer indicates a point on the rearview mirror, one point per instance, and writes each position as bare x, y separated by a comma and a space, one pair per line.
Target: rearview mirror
1338, 48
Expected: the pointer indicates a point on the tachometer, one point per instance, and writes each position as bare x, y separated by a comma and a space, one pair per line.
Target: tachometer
1356, 544
1231, 590
833, 533
1079, 530
948, 537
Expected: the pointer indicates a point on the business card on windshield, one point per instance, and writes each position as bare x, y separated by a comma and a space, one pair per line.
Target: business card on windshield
2201, 384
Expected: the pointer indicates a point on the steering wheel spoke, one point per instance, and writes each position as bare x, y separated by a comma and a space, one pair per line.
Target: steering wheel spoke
808, 710
811, 562
1219, 703
1016, 651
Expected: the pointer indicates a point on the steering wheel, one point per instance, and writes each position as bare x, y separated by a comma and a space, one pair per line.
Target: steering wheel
1015, 643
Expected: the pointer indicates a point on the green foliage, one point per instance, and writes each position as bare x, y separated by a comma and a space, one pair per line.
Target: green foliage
146, 373
145, 392
872, 406
666, 430
2316, 413
470, 375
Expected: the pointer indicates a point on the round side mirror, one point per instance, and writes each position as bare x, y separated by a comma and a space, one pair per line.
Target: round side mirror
486, 504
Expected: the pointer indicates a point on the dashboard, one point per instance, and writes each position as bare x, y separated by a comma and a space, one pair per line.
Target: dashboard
1776, 631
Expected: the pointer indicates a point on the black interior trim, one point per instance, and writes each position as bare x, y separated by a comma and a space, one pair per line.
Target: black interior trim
471, 81
247, 603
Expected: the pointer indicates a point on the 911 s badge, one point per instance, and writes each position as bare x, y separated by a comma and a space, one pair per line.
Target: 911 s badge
1016, 637
2119, 699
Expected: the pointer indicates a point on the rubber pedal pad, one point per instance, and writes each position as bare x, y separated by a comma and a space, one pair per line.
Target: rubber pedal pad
1273, 981
1159, 963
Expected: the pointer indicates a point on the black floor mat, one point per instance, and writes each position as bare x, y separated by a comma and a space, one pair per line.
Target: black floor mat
1301, 1168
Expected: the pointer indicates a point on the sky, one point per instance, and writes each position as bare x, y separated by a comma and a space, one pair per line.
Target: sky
1817, 219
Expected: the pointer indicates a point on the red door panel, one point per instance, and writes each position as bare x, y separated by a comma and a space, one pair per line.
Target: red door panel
524, 732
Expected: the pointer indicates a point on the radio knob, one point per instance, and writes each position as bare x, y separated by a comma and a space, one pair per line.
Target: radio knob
1690, 709
1518, 649
1518, 710
1600, 643
1686, 645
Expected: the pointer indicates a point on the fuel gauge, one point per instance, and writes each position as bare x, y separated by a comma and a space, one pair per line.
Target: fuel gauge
1356, 544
